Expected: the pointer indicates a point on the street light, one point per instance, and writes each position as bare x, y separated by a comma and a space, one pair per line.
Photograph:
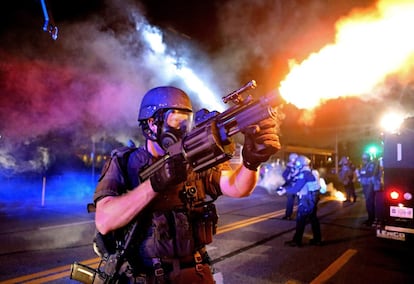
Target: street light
391, 122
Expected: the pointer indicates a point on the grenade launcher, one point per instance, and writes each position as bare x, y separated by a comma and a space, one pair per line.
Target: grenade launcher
206, 144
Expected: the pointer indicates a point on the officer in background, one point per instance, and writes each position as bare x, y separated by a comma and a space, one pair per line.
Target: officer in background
174, 208
367, 175
347, 177
307, 188
289, 175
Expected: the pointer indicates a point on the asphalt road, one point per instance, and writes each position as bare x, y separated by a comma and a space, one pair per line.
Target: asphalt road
249, 248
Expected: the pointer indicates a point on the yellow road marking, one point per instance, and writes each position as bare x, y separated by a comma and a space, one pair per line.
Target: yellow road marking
61, 269
60, 275
334, 267
247, 222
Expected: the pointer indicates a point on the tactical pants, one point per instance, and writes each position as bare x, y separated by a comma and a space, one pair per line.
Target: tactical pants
307, 213
350, 191
369, 195
290, 202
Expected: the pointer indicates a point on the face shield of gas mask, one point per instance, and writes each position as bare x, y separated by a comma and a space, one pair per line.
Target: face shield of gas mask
176, 124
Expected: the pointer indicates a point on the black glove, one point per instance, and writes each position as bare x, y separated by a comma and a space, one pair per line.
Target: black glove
260, 142
171, 173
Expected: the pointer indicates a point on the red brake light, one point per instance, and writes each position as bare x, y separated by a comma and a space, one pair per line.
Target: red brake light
394, 194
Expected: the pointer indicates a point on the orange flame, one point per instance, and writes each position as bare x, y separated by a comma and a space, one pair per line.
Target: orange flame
369, 46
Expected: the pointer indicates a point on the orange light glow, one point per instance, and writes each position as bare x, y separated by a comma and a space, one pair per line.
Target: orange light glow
369, 46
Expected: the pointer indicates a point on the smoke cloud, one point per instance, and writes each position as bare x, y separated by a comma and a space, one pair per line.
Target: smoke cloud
88, 83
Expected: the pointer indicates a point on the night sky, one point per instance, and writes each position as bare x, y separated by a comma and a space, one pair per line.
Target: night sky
87, 84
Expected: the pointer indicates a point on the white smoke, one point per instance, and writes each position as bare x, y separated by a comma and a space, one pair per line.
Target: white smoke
91, 80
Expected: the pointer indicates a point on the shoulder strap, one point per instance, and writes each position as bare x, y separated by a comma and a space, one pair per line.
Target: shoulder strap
123, 155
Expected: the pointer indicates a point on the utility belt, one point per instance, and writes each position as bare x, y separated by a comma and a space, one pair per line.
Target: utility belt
165, 269
366, 180
169, 266
308, 193
199, 258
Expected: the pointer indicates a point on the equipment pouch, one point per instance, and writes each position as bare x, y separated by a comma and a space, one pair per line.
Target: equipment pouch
161, 236
204, 232
183, 238
205, 224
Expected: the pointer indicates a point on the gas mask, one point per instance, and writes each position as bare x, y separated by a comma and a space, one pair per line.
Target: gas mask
175, 124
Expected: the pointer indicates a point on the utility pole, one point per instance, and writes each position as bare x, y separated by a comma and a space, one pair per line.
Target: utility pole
336, 152
93, 161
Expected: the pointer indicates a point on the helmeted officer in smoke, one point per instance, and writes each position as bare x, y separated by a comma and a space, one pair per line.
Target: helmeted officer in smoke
174, 208
347, 177
307, 187
369, 176
289, 175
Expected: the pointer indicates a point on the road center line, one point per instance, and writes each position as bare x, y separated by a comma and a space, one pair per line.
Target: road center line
247, 222
334, 267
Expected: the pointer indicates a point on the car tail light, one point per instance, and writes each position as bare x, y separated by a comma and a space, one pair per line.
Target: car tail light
394, 194
397, 195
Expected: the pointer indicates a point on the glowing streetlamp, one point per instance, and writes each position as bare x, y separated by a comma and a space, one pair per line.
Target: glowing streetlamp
391, 122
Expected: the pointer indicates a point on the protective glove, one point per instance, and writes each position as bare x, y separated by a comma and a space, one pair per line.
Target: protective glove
281, 190
171, 173
260, 142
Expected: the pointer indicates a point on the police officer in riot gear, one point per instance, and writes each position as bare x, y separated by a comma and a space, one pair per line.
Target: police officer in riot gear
174, 208
367, 175
347, 176
307, 188
289, 175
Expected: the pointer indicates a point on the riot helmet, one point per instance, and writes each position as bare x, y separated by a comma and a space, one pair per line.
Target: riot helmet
302, 161
292, 159
344, 161
366, 158
171, 111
